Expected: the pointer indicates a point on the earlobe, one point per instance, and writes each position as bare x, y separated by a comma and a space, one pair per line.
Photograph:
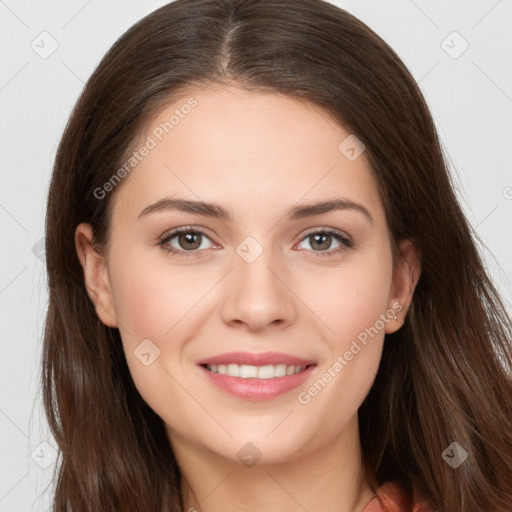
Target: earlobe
406, 274
96, 278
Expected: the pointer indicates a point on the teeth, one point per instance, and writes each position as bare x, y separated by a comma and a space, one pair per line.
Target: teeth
233, 370
246, 372
254, 372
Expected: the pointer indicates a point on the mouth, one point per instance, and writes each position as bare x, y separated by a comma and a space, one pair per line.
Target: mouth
244, 371
256, 376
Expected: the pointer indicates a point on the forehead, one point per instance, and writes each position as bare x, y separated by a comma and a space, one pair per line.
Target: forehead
247, 149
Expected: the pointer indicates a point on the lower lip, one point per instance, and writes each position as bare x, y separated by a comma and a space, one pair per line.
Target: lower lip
258, 389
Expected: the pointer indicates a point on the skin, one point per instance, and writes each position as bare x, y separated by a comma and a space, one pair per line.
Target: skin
255, 154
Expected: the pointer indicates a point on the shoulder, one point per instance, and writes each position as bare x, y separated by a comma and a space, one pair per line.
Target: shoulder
391, 497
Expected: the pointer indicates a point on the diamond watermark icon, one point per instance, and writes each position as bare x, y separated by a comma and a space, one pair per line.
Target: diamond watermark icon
351, 147
249, 249
146, 352
249, 455
44, 45
454, 45
455, 455
38, 250
44, 455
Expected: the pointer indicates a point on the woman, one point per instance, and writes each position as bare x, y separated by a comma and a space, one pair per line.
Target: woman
264, 294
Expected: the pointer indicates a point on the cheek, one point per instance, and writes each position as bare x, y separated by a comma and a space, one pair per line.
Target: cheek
352, 299
159, 302
153, 297
154, 304
353, 303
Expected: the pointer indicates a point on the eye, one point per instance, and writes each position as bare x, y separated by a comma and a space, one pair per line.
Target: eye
320, 242
185, 240
191, 240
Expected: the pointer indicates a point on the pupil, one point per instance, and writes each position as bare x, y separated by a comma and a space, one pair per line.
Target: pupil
327, 239
188, 239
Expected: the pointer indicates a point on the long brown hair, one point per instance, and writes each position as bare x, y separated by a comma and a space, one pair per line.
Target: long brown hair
444, 377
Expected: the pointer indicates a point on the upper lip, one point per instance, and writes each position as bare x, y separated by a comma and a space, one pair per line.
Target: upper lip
256, 359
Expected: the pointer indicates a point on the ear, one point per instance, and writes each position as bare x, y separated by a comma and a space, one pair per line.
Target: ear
406, 273
96, 276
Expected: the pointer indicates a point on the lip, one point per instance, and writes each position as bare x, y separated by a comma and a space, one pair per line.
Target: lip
257, 359
252, 388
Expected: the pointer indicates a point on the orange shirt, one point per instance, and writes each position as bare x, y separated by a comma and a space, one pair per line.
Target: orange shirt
392, 498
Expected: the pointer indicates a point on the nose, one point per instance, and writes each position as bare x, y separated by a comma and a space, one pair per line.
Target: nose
257, 295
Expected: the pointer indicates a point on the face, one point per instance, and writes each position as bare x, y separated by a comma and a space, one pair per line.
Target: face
263, 320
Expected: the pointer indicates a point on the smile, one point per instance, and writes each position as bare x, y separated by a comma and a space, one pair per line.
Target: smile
244, 371
256, 376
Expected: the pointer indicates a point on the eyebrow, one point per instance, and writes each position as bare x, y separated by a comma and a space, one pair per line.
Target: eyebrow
216, 211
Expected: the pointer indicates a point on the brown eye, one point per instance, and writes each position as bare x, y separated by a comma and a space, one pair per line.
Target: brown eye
185, 240
189, 241
321, 242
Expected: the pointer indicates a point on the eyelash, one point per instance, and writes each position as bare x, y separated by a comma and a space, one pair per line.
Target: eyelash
347, 242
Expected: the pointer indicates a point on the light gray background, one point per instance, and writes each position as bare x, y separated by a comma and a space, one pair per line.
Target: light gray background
470, 96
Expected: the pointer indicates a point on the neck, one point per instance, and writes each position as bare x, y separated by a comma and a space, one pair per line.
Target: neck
329, 478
